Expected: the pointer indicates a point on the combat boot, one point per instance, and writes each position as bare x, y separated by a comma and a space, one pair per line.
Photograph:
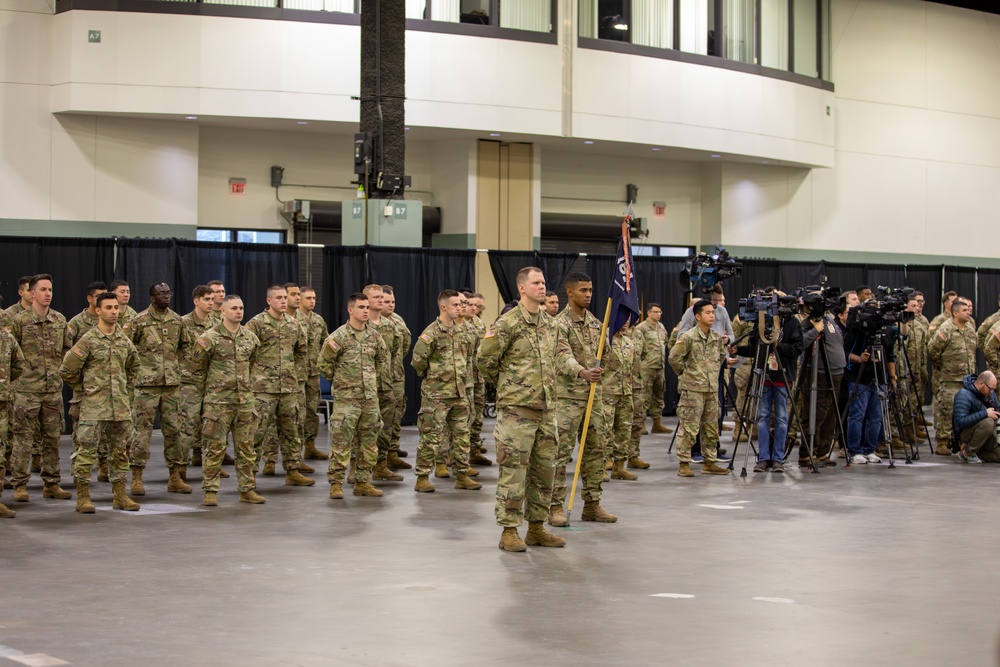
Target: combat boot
295, 478
182, 471
608, 464
637, 463
537, 536
211, 499
312, 453
921, 432
305, 469
511, 541
726, 426
423, 485
122, 501
644, 430
102, 472
176, 484
56, 492
350, 474
466, 482
557, 516
225, 475
268, 469
660, 428
606, 478
396, 463
943, 449
36, 463
402, 452
366, 489
6, 512
196, 457
619, 472
21, 494
472, 472
137, 488
709, 468
441, 470
384, 474
252, 497
336, 491
83, 504
684, 470
477, 458
592, 511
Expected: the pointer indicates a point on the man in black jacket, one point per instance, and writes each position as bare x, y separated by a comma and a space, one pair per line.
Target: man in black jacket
974, 417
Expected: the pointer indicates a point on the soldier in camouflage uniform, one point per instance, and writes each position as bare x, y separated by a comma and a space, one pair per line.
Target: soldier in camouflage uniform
194, 324
952, 350
696, 358
38, 403
441, 356
918, 361
316, 333
476, 448
223, 359
398, 379
621, 365
639, 403
578, 334
75, 330
23, 304
102, 367
126, 313
157, 333
742, 379
517, 356
23, 291
278, 373
11, 367
985, 327
654, 361
218, 296
390, 334
352, 359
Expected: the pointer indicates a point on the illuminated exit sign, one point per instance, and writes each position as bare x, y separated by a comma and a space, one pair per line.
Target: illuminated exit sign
237, 186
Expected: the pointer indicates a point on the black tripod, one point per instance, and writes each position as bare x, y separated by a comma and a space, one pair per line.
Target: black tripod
818, 348
908, 380
881, 386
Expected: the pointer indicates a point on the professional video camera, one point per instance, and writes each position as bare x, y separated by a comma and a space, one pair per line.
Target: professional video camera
706, 270
818, 299
888, 308
771, 305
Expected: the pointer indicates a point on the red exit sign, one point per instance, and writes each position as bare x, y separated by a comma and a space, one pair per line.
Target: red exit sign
237, 186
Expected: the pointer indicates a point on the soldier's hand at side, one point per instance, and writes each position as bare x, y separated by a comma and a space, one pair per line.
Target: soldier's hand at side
591, 374
993, 414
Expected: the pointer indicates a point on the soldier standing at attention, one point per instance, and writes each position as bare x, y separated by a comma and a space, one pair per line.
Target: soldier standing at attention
123, 292
398, 379
441, 357
24, 292
23, 304
75, 330
195, 323
621, 369
218, 296
654, 358
223, 358
952, 350
479, 391
390, 334
352, 358
11, 368
696, 358
517, 356
465, 330
102, 367
157, 335
276, 381
38, 403
317, 333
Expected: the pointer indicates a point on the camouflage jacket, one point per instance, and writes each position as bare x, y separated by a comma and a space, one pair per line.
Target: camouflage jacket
281, 358
351, 360
223, 363
43, 341
441, 356
316, 333
390, 334
398, 371
11, 365
654, 353
125, 317
622, 361
5, 320
697, 358
916, 346
102, 370
215, 316
80, 325
473, 339
517, 356
577, 339
192, 329
953, 352
984, 329
16, 309
991, 350
160, 343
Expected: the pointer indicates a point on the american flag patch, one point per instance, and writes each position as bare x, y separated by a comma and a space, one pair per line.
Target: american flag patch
203, 343
425, 338
78, 352
490, 334
333, 344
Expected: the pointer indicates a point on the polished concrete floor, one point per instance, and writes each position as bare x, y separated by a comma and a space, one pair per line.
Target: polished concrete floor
859, 566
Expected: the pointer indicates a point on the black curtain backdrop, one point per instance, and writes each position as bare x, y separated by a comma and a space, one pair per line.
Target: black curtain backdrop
892, 275
506, 263
962, 279
793, 275
345, 270
927, 279
756, 274
846, 276
987, 291
72, 262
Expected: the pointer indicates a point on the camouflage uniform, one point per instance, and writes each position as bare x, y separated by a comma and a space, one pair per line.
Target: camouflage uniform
215, 316
76, 330
478, 391
696, 358
390, 334
638, 378
102, 369
467, 331
354, 361
984, 329
125, 317
269, 450
577, 339
317, 333
621, 366
441, 356
742, 378
915, 345
278, 373
654, 359
158, 339
222, 364
191, 391
38, 403
399, 382
11, 367
517, 356
991, 349
953, 353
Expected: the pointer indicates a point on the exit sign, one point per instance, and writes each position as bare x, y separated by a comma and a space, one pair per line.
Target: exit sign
237, 186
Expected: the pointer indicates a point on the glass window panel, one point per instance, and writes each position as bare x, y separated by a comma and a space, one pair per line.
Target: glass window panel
653, 23
611, 20
740, 30
312, 5
588, 18
251, 236
774, 34
446, 10
805, 37
526, 15
244, 3
695, 25
643, 250
415, 9
676, 251
475, 11
215, 235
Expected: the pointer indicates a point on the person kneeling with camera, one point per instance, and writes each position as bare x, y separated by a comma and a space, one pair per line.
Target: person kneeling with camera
974, 418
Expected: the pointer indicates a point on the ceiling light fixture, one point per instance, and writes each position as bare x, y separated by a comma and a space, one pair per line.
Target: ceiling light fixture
716, 155
588, 142
302, 122
494, 134
657, 149
190, 118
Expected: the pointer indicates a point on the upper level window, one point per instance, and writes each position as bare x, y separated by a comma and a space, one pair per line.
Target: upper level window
534, 15
240, 235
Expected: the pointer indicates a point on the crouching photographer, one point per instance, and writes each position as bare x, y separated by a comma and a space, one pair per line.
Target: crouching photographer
974, 419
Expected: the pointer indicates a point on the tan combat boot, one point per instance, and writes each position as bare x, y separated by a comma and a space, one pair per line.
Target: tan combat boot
366, 489
441, 470
268, 470
637, 463
608, 464
6, 512
726, 426
477, 458
223, 474
472, 472
511, 541
660, 428
644, 430
396, 463
252, 497
619, 472
122, 501
211, 499
83, 504
336, 491
21, 494
102, 472
176, 484
137, 488
55, 491
943, 449
537, 536
557, 516
305, 469
295, 478
381, 472
709, 468
467, 483
182, 471
684, 470
312, 453
592, 511
423, 485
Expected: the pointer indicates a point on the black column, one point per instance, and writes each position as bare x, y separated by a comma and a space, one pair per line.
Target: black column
383, 85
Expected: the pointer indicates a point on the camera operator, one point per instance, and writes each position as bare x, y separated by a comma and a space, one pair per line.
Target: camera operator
976, 411
952, 350
813, 327
848, 300
864, 421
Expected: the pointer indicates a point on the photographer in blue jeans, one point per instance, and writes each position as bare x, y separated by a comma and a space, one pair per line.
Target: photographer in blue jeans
864, 420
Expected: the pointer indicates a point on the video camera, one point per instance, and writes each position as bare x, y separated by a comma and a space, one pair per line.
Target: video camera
818, 299
888, 308
706, 270
771, 305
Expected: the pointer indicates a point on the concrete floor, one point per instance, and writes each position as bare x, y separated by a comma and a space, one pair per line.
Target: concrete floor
860, 566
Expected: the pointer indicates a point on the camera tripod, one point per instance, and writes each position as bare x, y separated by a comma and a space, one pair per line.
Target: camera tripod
908, 380
881, 384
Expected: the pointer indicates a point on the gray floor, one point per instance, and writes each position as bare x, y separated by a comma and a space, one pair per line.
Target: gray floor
860, 566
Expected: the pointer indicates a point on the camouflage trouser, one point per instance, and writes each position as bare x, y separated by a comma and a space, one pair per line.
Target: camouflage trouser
268, 452
38, 418
639, 403
399, 390
944, 405
443, 422
742, 379
618, 417
218, 422
283, 411
5, 446
478, 405
443, 452
189, 438
569, 426
526, 451
652, 391
310, 423
387, 411
90, 435
355, 423
102, 446
147, 401
698, 413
